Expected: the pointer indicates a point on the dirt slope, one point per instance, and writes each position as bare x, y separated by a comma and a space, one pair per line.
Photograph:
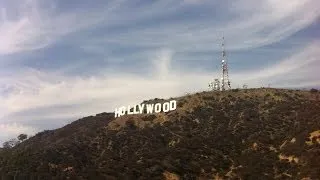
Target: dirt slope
247, 134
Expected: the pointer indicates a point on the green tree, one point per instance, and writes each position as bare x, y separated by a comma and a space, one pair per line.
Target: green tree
11, 143
22, 137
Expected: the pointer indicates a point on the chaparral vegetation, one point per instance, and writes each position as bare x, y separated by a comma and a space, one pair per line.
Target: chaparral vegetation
244, 134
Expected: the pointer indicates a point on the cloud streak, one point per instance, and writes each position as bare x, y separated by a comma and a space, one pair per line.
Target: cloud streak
259, 24
86, 96
293, 64
38, 24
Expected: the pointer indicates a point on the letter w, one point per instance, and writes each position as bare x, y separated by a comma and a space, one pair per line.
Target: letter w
149, 108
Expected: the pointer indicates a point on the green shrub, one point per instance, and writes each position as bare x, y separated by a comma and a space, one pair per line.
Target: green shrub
235, 90
181, 103
149, 117
313, 90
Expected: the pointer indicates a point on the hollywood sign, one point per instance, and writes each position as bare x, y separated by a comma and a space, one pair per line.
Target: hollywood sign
150, 108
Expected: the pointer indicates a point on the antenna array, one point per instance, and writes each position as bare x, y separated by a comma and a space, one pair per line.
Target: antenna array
225, 83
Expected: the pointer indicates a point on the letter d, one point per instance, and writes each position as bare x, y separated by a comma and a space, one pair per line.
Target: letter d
173, 105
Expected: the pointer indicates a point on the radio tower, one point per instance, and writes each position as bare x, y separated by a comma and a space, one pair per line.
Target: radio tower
225, 83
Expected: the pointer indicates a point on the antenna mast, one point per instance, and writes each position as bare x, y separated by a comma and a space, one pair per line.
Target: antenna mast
225, 83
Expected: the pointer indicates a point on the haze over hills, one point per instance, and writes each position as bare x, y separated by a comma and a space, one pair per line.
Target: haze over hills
238, 134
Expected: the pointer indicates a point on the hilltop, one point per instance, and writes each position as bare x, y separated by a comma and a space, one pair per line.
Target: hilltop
238, 134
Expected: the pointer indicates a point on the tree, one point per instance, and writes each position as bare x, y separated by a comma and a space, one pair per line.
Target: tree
11, 143
6, 145
22, 137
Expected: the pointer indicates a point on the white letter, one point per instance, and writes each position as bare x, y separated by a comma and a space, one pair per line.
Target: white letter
135, 110
122, 110
117, 113
129, 112
166, 107
157, 107
173, 105
149, 108
141, 106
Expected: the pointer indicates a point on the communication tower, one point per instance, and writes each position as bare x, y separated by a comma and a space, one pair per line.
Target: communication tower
225, 83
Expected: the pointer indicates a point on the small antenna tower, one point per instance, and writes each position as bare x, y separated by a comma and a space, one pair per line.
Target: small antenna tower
215, 86
225, 83
210, 86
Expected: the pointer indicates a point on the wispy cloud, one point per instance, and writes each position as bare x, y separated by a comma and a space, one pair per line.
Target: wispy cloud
38, 24
294, 65
258, 23
78, 96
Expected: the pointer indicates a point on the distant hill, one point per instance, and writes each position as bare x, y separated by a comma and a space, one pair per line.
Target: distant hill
239, 134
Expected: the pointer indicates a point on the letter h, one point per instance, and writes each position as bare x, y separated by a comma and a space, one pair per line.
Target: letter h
117, 112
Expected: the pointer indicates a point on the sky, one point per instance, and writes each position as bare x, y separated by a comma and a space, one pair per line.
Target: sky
63, 60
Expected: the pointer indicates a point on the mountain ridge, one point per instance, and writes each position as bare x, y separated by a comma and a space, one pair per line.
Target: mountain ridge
238, 134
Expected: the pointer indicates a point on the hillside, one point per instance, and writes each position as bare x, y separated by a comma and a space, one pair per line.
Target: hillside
248, 134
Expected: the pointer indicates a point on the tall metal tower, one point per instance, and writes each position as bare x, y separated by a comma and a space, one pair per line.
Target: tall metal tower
225, 83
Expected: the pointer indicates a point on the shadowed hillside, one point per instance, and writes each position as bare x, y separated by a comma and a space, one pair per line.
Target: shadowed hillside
248, 134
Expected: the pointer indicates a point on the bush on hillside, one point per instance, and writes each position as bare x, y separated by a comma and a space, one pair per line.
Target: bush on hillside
313, 90
131, 124
235, 90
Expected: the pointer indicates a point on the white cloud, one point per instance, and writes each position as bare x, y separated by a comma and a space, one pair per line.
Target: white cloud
292, 64
38, 24
35, 89
162, 63
250, 24
263, 23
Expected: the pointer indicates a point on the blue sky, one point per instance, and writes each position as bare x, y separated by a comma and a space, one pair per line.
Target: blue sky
62, 60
